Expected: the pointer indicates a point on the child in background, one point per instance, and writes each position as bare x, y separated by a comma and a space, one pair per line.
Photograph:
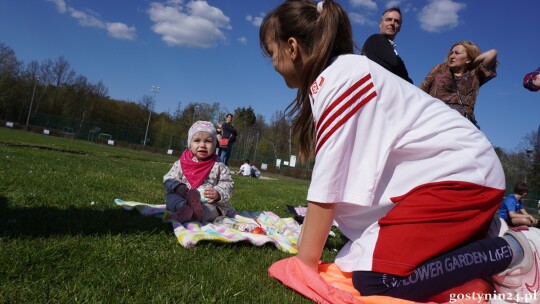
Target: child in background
198, 187
411, 183
255, 172
245, 168
512, 210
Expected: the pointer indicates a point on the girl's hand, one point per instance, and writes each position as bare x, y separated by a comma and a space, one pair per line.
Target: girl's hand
211, 195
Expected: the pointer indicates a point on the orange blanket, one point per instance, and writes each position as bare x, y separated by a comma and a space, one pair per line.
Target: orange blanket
331, 285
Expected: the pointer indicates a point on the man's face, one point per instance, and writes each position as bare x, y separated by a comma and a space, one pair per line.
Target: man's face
228, 119
536, 80
390, 24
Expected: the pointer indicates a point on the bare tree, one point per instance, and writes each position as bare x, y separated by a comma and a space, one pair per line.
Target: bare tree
278, 134
9, 65
98, 91
62, 72
9, 71
29, 78
62, 75
46, 76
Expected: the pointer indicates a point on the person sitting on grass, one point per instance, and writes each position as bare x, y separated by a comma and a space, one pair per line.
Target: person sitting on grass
255, 172
512, 210
245, 169
198, 186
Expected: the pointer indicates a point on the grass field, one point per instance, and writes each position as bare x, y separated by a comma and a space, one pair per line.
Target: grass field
63, 240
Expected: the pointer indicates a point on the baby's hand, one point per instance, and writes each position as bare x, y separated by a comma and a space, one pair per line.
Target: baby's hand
211, 195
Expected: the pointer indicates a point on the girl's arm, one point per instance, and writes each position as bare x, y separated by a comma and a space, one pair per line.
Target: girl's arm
317, 224
488, 58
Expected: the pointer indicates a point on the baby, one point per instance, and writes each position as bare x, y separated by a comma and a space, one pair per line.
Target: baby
198, 186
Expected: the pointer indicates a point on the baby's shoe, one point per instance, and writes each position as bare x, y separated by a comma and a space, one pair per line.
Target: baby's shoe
184, 214
521, 283
182, 190
194, 201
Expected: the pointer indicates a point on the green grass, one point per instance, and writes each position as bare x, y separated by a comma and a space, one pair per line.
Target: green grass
63, 240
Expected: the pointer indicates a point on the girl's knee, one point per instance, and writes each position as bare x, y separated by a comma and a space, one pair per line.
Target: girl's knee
371, 283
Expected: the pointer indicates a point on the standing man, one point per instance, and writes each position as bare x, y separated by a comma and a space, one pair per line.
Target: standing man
228, 132
381, 47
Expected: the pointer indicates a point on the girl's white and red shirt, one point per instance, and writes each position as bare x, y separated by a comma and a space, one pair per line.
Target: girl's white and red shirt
394, 159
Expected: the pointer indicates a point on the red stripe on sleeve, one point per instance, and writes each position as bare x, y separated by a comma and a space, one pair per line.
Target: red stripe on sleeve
345, 118
346, 94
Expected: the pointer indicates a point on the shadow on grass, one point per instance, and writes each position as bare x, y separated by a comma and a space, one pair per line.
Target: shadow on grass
48, 221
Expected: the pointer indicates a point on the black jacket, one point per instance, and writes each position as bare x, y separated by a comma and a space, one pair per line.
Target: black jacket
379, 49
229, 132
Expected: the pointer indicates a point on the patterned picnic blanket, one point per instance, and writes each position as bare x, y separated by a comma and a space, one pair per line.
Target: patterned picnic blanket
282, 232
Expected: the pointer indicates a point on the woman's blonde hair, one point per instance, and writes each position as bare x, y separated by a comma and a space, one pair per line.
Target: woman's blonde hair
471, 49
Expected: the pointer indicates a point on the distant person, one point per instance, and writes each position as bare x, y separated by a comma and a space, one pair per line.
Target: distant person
381, 47
531, 81
198, 187
245, 169
219, 136
512, 210
230, 133
255, 172
457, 81
392, 168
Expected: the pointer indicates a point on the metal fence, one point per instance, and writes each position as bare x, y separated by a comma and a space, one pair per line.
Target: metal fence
130, 137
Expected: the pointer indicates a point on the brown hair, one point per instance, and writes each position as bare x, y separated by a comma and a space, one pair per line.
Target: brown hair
323, 35
521, 188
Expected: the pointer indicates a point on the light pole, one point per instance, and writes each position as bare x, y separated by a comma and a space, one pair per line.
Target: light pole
196, 109
31, 102
155, 90
529, 153
256, 144
170, 117
290, 135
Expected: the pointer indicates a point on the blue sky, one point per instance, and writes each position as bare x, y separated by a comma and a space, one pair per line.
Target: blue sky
208, 51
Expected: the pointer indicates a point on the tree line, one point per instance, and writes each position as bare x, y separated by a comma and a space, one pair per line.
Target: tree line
53, 88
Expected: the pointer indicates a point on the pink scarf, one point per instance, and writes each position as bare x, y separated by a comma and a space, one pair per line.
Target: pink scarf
196, 172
